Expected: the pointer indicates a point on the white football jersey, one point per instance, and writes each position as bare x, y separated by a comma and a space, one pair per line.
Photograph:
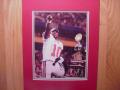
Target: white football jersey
51, 48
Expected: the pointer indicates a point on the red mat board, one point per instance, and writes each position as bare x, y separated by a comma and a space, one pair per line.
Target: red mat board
91, 8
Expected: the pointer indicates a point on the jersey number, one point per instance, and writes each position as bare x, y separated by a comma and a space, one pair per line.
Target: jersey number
56, 51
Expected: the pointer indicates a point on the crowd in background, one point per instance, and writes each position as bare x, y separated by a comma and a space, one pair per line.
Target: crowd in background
67, 19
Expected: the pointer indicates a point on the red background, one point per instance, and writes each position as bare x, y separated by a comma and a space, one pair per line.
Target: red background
75, 5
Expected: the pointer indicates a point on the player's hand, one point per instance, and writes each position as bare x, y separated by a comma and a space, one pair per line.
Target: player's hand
54, 64
49, 18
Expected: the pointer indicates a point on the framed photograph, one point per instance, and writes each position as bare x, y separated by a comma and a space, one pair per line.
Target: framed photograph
60, 44
63, 53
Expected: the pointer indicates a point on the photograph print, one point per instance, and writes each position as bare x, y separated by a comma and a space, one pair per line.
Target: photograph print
60, 45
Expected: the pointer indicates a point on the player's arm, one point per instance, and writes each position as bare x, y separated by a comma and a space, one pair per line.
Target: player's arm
47, 28
57, 59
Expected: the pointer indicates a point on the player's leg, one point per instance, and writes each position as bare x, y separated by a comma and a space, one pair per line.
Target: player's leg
43, 69
49, 68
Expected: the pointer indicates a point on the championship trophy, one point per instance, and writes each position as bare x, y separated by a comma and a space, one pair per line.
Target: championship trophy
78, 45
